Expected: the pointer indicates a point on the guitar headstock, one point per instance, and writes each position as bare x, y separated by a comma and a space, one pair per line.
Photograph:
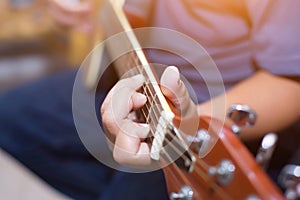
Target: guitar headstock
225, 170
228, 171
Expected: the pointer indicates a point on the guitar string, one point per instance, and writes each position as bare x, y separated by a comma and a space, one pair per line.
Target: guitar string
199, 171
214, 186
133, 62
156, 116
119, 19
202, 163
156, 113
154, 110
205, 177
148, 93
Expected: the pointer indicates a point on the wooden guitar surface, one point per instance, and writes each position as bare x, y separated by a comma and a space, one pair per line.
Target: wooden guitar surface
205, 175
248, 179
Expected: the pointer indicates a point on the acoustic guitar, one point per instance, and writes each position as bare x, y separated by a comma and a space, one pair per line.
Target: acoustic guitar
227, 171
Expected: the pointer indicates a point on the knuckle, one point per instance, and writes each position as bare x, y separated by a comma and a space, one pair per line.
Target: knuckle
119, 156
107, 119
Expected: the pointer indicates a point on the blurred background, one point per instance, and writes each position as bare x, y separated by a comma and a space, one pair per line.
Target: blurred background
32, 45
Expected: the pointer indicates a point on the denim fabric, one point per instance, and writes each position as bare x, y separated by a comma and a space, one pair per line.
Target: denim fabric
130, 186
37, 128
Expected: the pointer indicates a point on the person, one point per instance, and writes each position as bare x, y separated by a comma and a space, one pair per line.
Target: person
253, 45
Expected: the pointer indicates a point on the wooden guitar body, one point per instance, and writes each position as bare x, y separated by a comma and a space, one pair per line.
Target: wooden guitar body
247, 181
226, 171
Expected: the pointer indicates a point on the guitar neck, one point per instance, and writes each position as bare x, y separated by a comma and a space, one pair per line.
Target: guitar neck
228, 164
123, 45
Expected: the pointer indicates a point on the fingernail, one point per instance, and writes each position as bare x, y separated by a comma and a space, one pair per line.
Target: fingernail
176, 73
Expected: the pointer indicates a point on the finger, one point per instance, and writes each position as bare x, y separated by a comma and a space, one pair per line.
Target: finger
70, 14
126, 100
120, 107
138, 100
131, 84
120, 101
174, 89
72, 6
129, 146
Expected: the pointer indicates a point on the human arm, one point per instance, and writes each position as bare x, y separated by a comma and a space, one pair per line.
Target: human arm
273, 98
72, 13
79, 14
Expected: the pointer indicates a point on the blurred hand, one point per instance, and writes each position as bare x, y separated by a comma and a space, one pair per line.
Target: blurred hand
72, 13
128, 136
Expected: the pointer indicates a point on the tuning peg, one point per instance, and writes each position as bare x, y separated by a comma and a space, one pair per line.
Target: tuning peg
185, 193
289, 179
242, 116
266, 150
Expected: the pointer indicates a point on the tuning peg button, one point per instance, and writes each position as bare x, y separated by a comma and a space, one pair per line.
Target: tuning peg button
185, 193
200, 142
242, 116
289, 178
266, 150
224, 172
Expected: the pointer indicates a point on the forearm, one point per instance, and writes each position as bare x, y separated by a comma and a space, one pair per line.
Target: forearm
274, 99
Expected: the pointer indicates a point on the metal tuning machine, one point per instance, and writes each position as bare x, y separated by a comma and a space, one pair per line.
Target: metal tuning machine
185, 193
266, 150
289, 179
242, 116
224, 172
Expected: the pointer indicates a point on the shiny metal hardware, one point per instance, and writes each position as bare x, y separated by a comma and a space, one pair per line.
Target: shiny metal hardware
185, 193
242, 116
266, 150
253, 197
224, 172
289, 178
200, 142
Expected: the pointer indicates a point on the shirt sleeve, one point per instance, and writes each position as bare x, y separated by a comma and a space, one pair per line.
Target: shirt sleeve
275, 35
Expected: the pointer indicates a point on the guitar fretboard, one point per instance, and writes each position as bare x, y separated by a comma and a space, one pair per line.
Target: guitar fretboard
123, 45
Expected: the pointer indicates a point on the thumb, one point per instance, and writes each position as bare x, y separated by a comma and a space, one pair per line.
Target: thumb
174, 89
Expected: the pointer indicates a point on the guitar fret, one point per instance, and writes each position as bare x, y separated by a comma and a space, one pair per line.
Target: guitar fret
160, 132
151, 109
135, 62
142, 71
152, 98
164, 137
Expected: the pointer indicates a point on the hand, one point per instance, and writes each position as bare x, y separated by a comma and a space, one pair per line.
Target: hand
72, 13
174, 90
128, 136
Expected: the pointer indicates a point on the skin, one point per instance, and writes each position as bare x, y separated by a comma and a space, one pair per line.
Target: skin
275, 102
72, 14
273, 98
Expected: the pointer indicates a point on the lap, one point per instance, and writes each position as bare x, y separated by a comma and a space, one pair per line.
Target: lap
37, 128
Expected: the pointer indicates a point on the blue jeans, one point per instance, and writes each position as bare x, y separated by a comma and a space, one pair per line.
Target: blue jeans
37, 128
